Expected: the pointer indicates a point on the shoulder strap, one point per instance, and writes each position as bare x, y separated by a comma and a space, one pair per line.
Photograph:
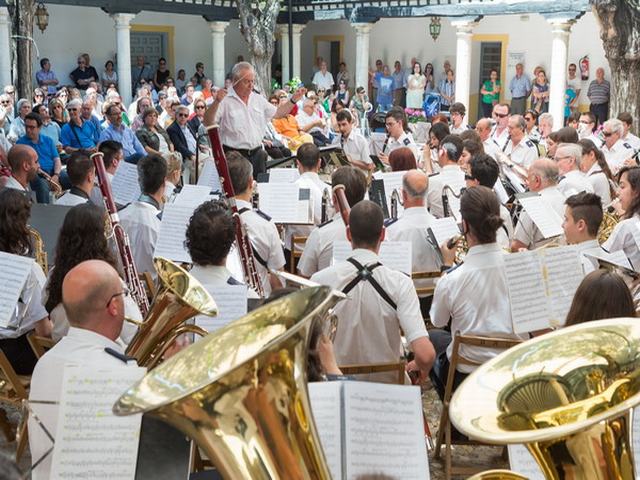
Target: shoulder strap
233, 281
243, 209
366, 273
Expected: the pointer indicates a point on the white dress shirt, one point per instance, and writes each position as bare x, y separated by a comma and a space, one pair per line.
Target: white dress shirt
304, 120
71, 199
523, 154
500, 139
15, 185
632, 140
404, 140
600, 183
622, 238
453, 176
29, 309
617, 154
368, 327
217, 276
318, 251
504, 234
476, 299
244, 125
491, 148
458, 130
316, 187
356, 147
574, 181
80, 347
323, 80
140, 221
265, 240
526, 231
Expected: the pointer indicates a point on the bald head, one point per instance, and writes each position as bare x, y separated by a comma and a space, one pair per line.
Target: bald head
415, 184
483, 127
545, 172
92, 298
20, 154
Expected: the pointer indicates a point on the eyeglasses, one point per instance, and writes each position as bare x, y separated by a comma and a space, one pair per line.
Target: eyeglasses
557, 159
182, 115
501, 115
468, 177
607, 134
124, 292
30, 127
5, 103
72, 109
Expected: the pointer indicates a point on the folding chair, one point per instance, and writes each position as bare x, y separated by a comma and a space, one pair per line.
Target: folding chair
39, 344
361, 369
296, 254
428, 290
14, 389
444, 430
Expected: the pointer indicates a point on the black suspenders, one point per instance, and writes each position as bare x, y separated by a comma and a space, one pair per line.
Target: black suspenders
366, 273
257, 256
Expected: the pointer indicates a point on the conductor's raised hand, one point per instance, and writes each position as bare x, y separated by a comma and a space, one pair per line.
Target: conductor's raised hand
220, 94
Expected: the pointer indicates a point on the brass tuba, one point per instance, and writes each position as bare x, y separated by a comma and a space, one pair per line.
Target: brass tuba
566, 395
179, 298
241, 392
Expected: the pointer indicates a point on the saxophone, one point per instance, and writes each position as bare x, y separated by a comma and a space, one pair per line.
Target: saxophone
39, 253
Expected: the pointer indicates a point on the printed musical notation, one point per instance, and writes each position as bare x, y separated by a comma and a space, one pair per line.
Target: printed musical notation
14, 272
286, 203
543, 215
173, 231
209, 176
124, 185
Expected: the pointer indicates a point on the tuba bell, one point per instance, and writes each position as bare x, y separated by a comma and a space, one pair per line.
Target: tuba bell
179, 298
241, 392
566, 395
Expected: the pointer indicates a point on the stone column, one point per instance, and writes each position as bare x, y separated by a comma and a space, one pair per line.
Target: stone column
464, 31
560, 30
362, 55
283, 30
217, 42
5, 51
123, 49
296, 35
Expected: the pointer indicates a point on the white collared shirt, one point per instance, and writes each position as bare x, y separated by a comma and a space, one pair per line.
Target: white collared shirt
600, 183
71, 199
217, 276
632, 140
29, 309
140, 221
491, 148
458, 130
476, 299
323, 80
368, 327
404, 140
622, 238
265, 240
316, 187
244, 125
304, 120
356, 147
318, 251
500, 139
79, 348
15, 184
617, 154
524, 153
453, 176
504, 234
526, 231
574, 181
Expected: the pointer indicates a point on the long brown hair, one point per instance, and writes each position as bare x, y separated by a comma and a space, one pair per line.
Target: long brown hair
15, 210
588, 147
480, 208
633, 177
601, 294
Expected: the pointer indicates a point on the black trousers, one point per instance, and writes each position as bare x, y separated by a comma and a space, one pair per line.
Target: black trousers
278, 152
258, 158
19, 353
601, 112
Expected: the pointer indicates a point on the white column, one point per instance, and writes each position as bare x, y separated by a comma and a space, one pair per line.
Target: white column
283, 30
560, 30
297, 52
5, 51
123, 49
217, 41
464, 31
362, 54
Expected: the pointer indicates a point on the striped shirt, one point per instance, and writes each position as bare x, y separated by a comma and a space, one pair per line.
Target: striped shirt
598, 93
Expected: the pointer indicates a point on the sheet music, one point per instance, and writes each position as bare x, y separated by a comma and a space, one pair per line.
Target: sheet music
377, 195
501, 192
521, 461
124, 184
283, 175
14, 272
232, 304
286, 203
635, 437
514, 179
173, 231
527, 292
209, 176
325, 399
193, 195
543, 215
384, 431
395, 255
618, 258
393, 181
564, 273
91, 442
444, 228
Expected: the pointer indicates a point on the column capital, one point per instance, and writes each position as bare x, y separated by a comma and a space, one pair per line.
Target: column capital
296, 28
123, 20
362, 28
465, 24
561, 25
282, 29
218, 26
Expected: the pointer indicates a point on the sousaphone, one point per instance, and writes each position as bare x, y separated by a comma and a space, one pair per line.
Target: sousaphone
567, 395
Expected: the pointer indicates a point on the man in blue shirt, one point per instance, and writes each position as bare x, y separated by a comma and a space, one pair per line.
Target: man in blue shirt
48, 157
399, 84
520, 87
78, 134
133, 149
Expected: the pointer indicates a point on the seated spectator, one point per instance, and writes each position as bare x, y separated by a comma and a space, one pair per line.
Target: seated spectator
88, 115
174, 172
152, 136
17, 125
188, 98
109, 75
310, 122
39, 96
84, 74
336, 106
133, 149
49, 128
78, 134
57, 112
402, 159
180, 133
168, 115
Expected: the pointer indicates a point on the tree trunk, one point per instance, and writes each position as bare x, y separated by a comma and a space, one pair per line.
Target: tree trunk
258, 27
619, 20
22, 14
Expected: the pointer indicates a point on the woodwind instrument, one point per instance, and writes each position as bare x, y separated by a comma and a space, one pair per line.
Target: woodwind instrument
395, 199
343, 204
138, 293
324, 206
245, 248
54, 186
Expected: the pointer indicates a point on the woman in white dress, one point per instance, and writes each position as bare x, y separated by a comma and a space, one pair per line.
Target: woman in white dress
415, 87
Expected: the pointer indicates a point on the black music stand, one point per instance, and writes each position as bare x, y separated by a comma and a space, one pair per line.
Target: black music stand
47, 220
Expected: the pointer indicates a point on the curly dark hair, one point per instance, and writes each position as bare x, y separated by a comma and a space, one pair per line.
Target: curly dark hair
210, 233
15, 210
82, 238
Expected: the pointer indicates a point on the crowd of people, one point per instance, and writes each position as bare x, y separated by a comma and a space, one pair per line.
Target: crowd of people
584, 172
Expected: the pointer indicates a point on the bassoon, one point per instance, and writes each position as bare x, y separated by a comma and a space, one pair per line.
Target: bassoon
343, 204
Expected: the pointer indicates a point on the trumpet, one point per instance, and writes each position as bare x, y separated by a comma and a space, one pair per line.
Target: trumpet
54, 186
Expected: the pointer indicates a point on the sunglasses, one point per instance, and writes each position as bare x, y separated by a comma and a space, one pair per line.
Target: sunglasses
501, 115
200, 107
5, 103
72, 109
607, 134
182, 115
468, 177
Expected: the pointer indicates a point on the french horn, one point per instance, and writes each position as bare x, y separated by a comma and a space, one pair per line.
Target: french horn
567, 395
240, 393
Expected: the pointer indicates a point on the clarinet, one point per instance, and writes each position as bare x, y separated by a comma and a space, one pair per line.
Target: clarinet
386, 141
249, 267
343, 204
138, 292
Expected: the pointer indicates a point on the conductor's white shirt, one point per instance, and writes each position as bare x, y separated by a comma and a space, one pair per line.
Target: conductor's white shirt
316, 187
574, 181
140, 221
243, 125
476, 299
622, 238
265, 240
368, 327
318, 251
79, 348
526, 231
453, 176
600, 183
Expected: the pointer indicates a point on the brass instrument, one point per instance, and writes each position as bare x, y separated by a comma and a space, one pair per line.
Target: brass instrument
54, 186
241, 392
39, 253
567, 395
179, 298
324, 206
609, 221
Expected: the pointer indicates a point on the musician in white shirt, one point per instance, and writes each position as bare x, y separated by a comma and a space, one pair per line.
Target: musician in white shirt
395, 122
483, 127
380, 302
473, 297
543, 179
450, 175
352, 142
318, 251
624, 233
457, 112
519, 148
500, 134
582, 218
595, 167
140, 219
23, 161
615, 150
82, 175
628, 137
568, 157
262, 232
